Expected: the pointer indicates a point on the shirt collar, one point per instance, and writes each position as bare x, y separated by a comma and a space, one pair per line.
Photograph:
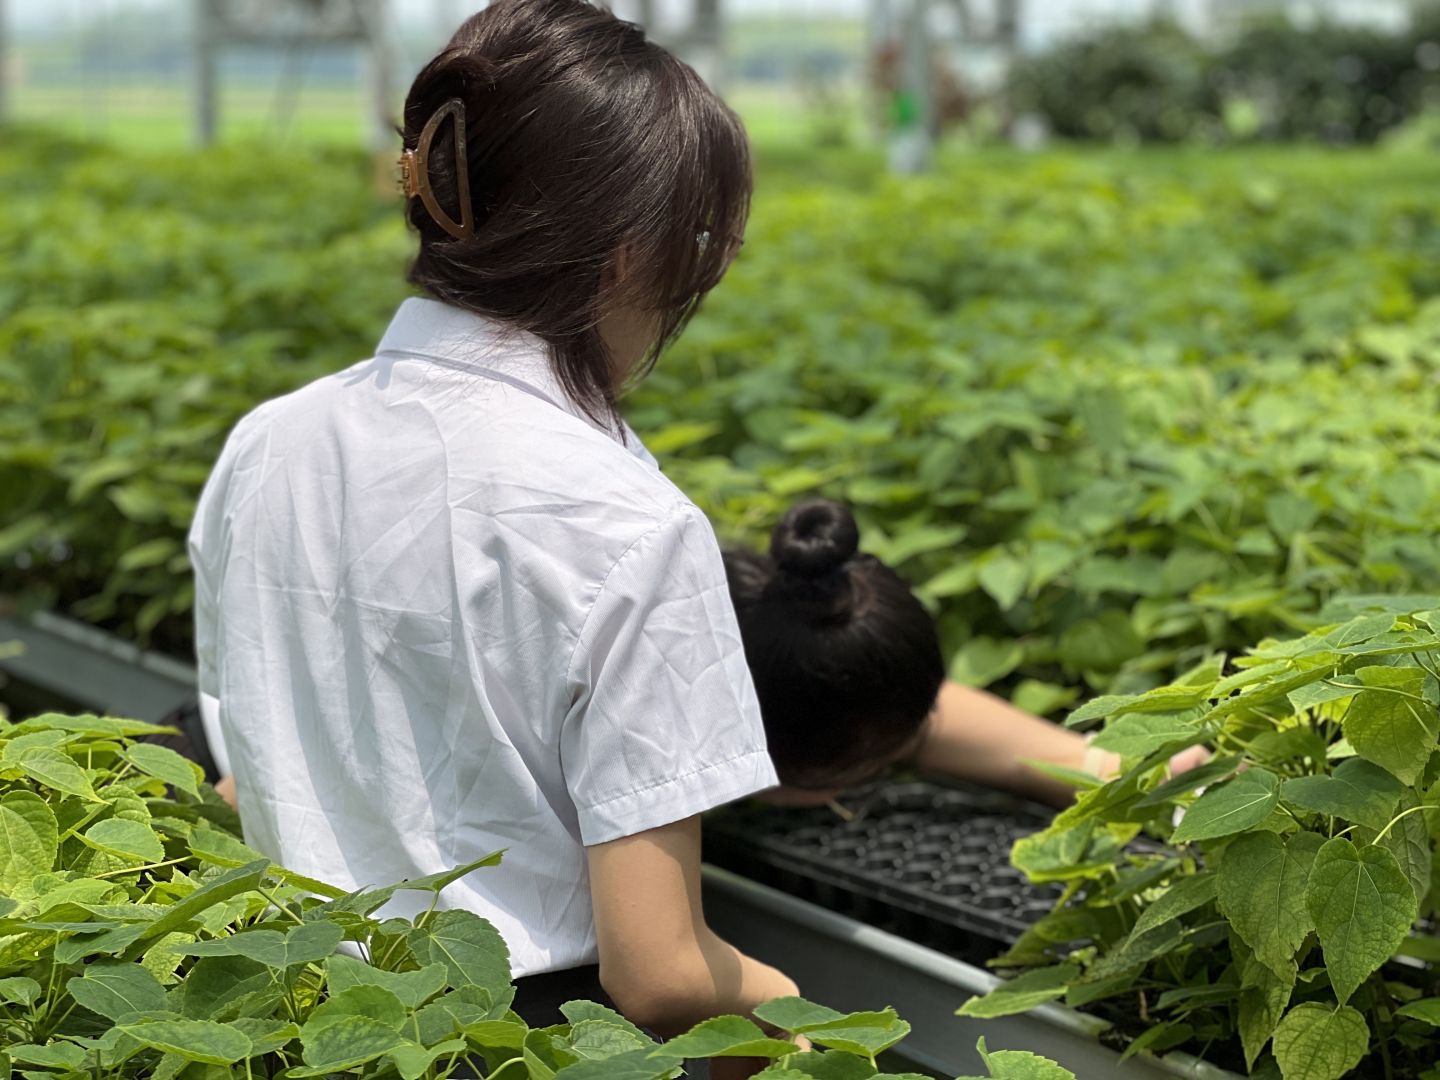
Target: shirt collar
461, 339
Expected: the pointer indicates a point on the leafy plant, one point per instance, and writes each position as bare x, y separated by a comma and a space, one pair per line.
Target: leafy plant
140, 937
1104, 410
1263, 908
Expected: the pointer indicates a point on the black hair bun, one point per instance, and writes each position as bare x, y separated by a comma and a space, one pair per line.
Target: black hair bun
815, 539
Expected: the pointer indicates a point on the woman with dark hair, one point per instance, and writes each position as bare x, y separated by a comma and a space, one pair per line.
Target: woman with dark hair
847, 666
445, 601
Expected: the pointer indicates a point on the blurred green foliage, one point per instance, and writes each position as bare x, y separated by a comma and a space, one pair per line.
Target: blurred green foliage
1108, 411
1271, 80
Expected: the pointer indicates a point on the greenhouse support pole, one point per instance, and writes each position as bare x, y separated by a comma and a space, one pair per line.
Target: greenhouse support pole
207, 100
4, 65
912, 145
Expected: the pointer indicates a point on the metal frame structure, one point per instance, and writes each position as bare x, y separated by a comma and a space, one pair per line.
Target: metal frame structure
290, 24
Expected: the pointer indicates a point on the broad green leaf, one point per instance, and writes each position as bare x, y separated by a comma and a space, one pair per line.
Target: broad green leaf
28, 839
195, 1040
215, 984
266, 1035
1183, 897
725, 1036
412, 1061
1022, 993
864, 1033
371, 1002
634, 1065
1362, 905
578, 1012
1358, 791
1316, 1042
345, 1043
221, 848
1408, 839
1020, 1065
302, 944
1426, 1010
1391, 724
1099, 708
1231, 807
818, 1065
58, 1055
164, 764
413, 988
458, 1009
128, 840
1004, 579
983, 660
20, 990
364, 901
1188, 781
602, 1039
55, 769
1262, 891
794, 1014
470, 948
116, 989
1140, 734
1264, 994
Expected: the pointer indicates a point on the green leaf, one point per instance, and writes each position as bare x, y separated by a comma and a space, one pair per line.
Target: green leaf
1022, 993
983, 660
20, 990
29, 839
164, 764
1362, 905
794, 1014
116, 990
125, 839
1426, 1010
1316, 1042
1262, 890
1137, 735
602, 1039
470, 948
195, 1040
413, 988
634, 1065
370, 1002
1004, 579
863, 1033
577, 1012
726, 1036
1183, 897
60, 1055
1264, 994
55, 769
1358, 791
1020, 1065
1189, 780
303, 944
1392, 725
413, 1061
455, 1011
1234, 806
348, 1042
266, 1035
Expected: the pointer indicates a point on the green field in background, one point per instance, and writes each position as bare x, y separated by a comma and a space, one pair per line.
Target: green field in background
160, 115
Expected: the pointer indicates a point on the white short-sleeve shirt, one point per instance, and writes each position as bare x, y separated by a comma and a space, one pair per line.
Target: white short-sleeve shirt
445, 613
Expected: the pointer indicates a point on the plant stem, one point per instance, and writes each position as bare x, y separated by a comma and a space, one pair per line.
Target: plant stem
1381, 835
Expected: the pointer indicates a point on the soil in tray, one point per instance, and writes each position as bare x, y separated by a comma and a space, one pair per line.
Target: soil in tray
928, 861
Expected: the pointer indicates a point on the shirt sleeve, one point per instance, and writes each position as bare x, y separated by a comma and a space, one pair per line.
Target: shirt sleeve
203, 543
664, 722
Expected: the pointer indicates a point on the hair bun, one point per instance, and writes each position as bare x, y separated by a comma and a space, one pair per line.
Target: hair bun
815, 539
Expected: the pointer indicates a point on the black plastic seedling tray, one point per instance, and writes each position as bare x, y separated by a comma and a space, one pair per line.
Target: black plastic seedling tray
925, 860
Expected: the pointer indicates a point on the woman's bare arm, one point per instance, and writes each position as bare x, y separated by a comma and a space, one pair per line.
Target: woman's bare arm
659, 961
977, 736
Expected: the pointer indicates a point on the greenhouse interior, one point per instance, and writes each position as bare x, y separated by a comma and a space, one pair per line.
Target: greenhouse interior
1029, 411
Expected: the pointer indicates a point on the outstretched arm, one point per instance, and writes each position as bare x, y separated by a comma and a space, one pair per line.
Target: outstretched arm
977, 736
